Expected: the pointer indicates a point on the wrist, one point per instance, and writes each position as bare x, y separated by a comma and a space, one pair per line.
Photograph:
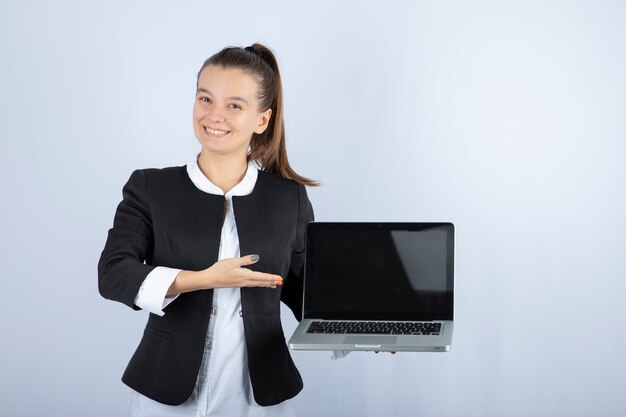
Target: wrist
184, 282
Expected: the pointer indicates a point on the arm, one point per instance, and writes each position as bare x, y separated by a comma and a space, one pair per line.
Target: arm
227, 273
121, 269
293, 289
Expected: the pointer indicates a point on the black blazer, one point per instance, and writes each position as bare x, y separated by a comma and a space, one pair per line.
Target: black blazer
164, 220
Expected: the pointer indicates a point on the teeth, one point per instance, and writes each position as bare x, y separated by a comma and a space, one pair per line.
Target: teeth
216, 132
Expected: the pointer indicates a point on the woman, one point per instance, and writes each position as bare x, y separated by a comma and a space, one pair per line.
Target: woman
213, 344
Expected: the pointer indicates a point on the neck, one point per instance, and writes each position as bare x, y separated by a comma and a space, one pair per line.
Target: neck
223, 171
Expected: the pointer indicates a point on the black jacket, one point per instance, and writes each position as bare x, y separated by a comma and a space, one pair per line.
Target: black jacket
164, 220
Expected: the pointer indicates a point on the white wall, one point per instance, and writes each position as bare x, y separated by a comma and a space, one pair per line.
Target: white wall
506, 118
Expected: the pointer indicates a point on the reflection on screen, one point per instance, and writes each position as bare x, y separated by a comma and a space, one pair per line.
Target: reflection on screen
423, 257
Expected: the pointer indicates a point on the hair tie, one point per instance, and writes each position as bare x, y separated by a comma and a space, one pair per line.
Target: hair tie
258, 53
253, 50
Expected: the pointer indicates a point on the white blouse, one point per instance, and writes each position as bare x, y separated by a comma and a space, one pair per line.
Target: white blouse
223, 386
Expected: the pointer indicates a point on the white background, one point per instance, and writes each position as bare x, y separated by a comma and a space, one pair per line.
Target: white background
506, 118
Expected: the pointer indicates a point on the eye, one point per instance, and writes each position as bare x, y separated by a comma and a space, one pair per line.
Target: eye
204, 99
235, 106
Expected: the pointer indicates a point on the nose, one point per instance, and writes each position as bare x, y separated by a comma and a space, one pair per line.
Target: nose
215, 115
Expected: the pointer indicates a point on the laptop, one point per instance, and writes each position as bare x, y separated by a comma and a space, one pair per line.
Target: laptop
377, 287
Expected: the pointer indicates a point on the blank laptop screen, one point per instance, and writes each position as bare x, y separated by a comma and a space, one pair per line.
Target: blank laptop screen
379, 271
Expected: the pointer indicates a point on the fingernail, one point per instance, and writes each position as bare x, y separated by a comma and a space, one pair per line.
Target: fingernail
279, 283
254, 258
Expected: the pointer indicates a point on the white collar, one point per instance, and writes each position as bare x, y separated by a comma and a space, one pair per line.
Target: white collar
244, 187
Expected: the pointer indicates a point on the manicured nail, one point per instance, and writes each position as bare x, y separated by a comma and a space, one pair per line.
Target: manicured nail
254, 258
279, 283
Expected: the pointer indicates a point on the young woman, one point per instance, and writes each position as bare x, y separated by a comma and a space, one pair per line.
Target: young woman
213, 344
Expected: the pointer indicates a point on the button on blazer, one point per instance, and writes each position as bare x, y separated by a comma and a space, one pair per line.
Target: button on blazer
164, 220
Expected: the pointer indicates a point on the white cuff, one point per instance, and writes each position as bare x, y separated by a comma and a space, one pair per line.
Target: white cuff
151, 296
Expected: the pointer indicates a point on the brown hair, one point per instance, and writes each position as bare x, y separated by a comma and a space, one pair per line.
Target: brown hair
268, 147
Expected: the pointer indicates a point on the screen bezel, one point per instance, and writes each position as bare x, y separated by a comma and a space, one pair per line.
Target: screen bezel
447, 313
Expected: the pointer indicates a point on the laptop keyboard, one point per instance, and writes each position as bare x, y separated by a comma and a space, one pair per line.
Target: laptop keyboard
374, 327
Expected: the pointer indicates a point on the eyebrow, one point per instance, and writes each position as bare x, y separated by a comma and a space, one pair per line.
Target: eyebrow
236, 98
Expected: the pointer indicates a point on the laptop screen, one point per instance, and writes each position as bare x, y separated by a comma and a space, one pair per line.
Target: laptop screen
379, 271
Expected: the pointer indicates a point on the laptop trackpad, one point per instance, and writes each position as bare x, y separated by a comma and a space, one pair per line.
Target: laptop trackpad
370, 340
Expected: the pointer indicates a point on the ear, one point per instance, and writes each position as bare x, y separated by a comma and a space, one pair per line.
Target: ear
263, 121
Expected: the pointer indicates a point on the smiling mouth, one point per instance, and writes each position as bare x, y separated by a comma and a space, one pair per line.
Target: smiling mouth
215, 131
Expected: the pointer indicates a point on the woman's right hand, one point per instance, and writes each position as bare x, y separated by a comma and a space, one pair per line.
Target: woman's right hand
230, 273
227, 273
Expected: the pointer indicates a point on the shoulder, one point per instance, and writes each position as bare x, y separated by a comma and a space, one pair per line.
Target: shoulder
159, 178
162, 173
286, 191
269, 180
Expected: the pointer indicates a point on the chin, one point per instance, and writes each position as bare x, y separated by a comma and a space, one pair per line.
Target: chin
211, 149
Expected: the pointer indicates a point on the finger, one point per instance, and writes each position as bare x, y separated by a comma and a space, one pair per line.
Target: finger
260, 279
274, 282
270, 284
263, 277
248, 260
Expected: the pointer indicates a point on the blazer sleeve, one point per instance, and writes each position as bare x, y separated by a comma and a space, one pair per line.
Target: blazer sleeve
121, 269
292, 291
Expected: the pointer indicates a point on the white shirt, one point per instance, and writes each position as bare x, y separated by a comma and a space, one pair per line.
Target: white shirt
223, 386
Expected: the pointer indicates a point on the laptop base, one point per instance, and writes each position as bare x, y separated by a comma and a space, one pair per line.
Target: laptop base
301, 340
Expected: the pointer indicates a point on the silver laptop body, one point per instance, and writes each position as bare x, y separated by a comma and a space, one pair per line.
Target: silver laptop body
377, 287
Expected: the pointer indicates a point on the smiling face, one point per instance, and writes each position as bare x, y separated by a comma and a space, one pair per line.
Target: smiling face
226, 111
